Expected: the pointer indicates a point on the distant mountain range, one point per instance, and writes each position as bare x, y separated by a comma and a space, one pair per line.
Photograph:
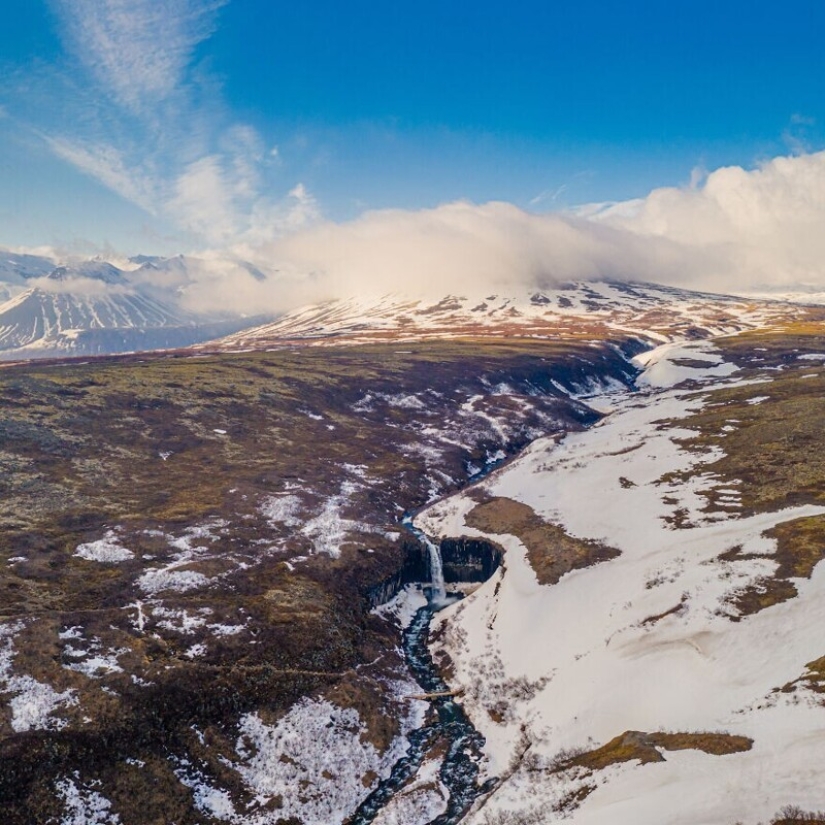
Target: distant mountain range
95, 307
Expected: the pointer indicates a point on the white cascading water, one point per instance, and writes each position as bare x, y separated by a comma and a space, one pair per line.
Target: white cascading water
439, 594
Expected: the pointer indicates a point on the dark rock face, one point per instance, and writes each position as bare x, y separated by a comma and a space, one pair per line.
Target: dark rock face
469, 560
414, 569
464, 559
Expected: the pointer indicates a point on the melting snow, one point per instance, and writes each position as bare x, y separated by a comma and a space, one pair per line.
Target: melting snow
195, 651
107, 549
32, 703
171, 576
315, 758
404, 606
418, 803
180, 620
282, 510
84, 806
644, 641
156, 581
328, 530
208, 799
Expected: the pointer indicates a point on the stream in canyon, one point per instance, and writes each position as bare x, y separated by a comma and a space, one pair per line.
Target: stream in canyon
447, 729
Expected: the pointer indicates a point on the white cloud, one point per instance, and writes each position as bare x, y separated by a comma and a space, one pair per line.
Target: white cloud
456, 247
202, 199
133, 109
730, 230
153, 129
740, 228
138, 50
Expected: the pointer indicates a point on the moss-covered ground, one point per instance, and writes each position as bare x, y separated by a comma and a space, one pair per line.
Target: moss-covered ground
767, 435
184, 462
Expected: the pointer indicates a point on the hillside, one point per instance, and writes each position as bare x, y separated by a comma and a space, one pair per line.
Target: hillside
191, 545
576, 310
95, 308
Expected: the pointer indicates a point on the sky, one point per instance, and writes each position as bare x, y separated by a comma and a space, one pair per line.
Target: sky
163, 126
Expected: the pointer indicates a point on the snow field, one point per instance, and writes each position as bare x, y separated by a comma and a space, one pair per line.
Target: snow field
642, 642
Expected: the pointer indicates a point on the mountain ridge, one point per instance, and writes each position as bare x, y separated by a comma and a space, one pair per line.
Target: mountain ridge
579, 310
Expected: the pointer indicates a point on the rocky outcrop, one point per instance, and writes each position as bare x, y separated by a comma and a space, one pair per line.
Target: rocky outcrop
464, 559
469, 559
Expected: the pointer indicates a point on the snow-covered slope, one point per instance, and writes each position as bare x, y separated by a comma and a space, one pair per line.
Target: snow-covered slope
38, 316
650, 653
16, 270
96, 307
574, 310
37, 319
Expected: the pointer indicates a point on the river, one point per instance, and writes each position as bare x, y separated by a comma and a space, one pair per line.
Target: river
447, 723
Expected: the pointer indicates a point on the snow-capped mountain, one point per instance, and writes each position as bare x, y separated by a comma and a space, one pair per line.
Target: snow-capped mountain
16, 270
581, 309
40, 323
96, 270
40, 319
96, 307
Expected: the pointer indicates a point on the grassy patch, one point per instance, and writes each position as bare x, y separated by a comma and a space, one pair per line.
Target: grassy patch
550, 550
179, 457
770, 447
813, 679
647, 747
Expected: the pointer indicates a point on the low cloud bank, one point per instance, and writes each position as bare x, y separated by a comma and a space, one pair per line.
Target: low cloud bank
739, 229
735, 230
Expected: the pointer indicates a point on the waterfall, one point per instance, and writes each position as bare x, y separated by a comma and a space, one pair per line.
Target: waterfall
439, 594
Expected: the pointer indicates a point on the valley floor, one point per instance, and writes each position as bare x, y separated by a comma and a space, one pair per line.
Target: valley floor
192, 549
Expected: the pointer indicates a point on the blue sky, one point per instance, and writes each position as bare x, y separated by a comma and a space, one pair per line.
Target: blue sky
160, 125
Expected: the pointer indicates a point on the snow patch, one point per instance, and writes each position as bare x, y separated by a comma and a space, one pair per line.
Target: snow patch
318, 747
182, 581
32, 703
108, 549
84, 806
404, 606
281, 510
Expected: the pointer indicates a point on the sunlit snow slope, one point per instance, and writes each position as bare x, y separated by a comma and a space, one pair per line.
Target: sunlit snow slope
670, 683
575, 310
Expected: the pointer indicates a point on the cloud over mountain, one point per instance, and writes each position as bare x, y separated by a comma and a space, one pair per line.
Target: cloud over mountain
740, 228
736, 229
733, 230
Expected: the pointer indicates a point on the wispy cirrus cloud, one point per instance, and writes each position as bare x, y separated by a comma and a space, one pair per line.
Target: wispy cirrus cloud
108, 165
140, 51
131, 105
